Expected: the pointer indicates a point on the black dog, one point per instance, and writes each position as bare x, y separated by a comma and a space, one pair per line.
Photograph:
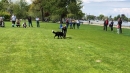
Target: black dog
59, 34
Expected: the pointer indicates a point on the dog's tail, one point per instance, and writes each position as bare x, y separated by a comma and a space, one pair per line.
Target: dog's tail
53, 31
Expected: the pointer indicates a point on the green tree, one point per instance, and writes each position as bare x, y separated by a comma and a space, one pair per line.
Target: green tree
91, 17
100, 17
124, 18
40, 8
74, 7
6, 15
4, 5
58, 7
20, 9
116, 17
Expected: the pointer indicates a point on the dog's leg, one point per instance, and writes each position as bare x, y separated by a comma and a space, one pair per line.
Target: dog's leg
61, 37
58, 36
54, 37
64, 35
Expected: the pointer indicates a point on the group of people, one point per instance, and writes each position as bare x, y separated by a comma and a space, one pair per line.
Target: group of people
119, 25
72, 23
18, 24
17, 21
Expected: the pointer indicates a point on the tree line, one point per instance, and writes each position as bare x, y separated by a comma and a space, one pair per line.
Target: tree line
103, 17
54, 10
45, 9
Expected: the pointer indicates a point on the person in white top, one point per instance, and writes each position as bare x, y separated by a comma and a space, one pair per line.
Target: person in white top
78, 23
13, 18
37, 21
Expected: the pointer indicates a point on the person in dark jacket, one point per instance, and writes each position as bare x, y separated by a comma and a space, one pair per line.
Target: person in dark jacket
73, 22
105, 24
67, 23
120, 25
30, 21
111, 25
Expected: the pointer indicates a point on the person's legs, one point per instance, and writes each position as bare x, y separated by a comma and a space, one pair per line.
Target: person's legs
74, 25
117, 30
60, 26
13, 23
104, 27
70, 25
29, 24
111, 28
64, 34
78, 25
38, 24
120, 29
67, 24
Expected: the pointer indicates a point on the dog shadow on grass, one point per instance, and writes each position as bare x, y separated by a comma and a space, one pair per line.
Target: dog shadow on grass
68, 38
64, 38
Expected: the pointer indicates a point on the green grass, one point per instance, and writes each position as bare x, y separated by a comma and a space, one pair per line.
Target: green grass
85, 50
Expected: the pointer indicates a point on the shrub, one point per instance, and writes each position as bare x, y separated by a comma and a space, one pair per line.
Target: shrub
55, 18
6, 15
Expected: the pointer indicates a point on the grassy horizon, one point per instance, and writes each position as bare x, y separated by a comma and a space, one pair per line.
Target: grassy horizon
88, 49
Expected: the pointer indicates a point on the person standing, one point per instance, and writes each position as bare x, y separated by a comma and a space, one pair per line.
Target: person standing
70, 22
73, 23
60, 25
118, 29
105, 24
120, 25
64, 30
13, 19
111, 25
67, 22
89, 21
78, 23
30, 21
37, 21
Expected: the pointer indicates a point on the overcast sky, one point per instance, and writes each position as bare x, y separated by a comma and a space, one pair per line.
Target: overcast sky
106, 7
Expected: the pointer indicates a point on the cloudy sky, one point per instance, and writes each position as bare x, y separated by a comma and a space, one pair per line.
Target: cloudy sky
106, 7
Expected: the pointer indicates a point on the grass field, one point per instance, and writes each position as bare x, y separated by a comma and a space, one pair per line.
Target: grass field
85, 50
